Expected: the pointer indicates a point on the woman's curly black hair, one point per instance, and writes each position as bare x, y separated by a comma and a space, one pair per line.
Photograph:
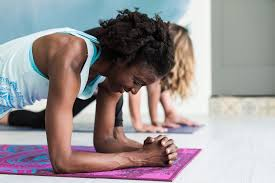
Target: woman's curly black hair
133, 34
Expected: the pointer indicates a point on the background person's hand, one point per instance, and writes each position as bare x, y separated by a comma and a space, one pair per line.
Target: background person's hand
174, 120
170, 125
150, 128
166, 124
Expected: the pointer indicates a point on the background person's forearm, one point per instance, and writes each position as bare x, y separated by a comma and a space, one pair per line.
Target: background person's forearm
166, 102
134, 107
154, 91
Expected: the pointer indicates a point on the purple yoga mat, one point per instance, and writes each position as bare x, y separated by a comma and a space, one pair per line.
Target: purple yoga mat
34, 160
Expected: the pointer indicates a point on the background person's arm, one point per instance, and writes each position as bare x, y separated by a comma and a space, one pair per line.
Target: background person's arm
134, 106
154, 91
172, 118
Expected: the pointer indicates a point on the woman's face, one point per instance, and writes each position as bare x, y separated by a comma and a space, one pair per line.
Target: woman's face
130, 78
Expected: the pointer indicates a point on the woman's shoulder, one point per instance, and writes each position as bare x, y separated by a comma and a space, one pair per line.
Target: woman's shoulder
67, 50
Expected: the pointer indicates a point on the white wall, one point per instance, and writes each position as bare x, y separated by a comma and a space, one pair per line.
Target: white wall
242, 48
199, 19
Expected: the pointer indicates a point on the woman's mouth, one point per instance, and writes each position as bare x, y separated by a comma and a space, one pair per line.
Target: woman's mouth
119, 89
122, 90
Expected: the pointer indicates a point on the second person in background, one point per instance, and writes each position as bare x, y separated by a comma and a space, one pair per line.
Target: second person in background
177, 82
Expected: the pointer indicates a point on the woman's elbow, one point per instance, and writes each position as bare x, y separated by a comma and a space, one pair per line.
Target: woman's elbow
104, 145
61, 166
99, 146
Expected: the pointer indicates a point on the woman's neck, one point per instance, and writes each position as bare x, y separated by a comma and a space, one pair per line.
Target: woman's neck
103, 64
100, 67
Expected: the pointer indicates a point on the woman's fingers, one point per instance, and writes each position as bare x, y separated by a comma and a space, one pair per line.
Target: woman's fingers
170, 162
171, 149
159, 137
164, 141
173, 156
149, 140
169, 142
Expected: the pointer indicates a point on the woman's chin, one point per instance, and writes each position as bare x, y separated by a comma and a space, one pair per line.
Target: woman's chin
117, 90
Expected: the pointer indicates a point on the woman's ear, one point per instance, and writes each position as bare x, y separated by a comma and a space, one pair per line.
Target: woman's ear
114, 62
118, 62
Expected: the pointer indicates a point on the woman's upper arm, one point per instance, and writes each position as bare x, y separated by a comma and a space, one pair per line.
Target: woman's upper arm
64, 84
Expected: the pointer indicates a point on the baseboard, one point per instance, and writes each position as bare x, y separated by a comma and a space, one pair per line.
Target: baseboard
242, 106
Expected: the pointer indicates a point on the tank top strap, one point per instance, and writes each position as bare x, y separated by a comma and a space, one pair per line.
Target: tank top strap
87, 89
93, 39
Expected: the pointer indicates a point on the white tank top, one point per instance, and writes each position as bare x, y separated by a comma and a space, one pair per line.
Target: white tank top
21, 82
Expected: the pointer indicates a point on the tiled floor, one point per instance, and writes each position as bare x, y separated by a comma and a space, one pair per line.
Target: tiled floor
242, 106
234, 151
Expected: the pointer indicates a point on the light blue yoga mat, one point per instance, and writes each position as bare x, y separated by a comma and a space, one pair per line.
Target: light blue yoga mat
87, 127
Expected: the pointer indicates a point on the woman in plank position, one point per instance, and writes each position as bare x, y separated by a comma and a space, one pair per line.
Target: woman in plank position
64, 64
176, 82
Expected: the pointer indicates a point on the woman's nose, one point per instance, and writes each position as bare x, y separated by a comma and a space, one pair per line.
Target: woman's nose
135, 90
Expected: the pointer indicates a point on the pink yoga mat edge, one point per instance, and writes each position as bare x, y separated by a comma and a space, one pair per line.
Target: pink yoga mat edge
172, 176
178, 171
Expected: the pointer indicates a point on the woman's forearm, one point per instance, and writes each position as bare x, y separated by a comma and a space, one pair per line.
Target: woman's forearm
123, 140
160, 151
132, 145
117, 143
128, 145
89, 161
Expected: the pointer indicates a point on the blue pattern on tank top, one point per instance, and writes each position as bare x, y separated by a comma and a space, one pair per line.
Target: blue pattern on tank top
10, 97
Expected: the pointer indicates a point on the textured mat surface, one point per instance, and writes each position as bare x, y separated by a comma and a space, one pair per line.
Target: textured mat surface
34, 160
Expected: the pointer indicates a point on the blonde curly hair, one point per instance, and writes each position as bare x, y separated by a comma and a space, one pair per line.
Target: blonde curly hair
178, 80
